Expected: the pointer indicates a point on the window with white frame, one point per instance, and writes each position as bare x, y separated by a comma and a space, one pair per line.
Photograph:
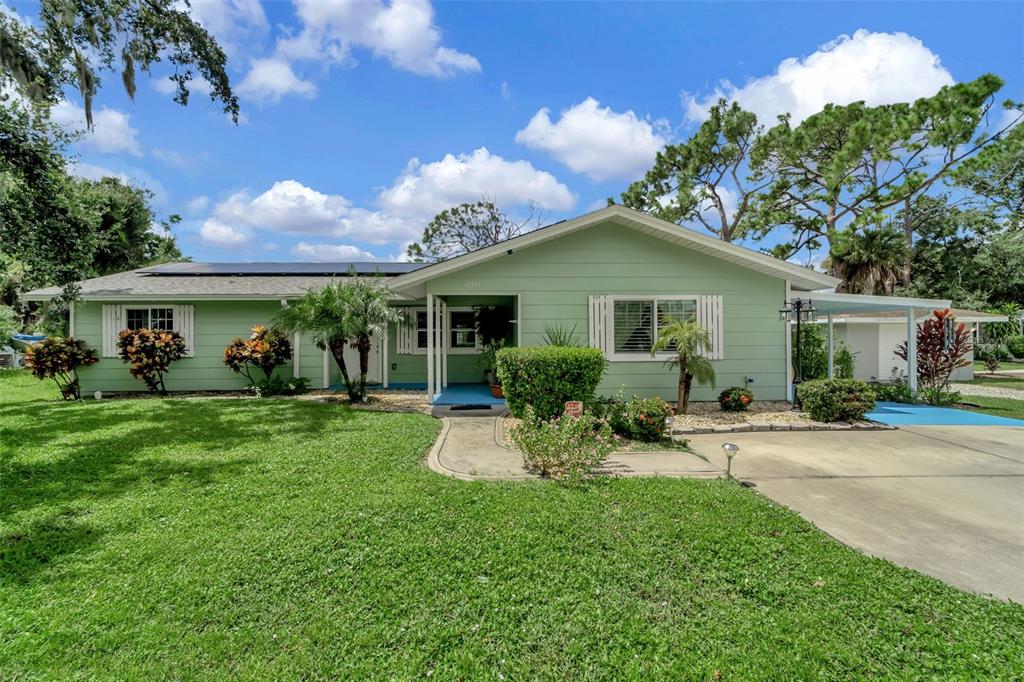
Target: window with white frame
462, 334
637, 321
151, 318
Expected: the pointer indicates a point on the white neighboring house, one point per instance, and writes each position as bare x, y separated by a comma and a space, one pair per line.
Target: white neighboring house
874, 338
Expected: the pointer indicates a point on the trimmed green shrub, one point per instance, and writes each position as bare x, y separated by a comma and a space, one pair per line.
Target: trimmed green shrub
735, 399
58, 358
939, 397
278, 385
545, 377
1015, 344
896, 390
566, 448
836, 400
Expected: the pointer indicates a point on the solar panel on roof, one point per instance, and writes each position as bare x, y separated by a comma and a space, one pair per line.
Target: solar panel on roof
322, 269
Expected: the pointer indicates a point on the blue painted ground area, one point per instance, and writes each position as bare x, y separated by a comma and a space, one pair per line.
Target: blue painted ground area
467, 394
901, 414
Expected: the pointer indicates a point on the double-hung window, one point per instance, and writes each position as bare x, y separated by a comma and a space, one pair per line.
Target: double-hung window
150, 318
636, 322
461, 331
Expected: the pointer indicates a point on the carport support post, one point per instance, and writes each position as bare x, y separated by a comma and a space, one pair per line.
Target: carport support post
911, 350
831, 351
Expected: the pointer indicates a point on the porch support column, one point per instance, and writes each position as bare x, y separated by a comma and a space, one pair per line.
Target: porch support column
831, 351
911, 350
430, 348
438, 344
384, 359
445, 342
327, 368
296, 350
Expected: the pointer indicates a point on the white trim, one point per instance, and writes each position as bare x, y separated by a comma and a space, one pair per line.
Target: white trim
850, 319
384, 360
296, 359
519, 319
789, 348
831, 350
430, 348
858, 302
71, 320
806, 278
911, 350
476, 350
327, 369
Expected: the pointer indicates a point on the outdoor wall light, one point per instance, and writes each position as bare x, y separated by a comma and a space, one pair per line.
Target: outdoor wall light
730, 451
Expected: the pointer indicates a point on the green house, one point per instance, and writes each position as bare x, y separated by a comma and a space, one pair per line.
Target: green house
611, 275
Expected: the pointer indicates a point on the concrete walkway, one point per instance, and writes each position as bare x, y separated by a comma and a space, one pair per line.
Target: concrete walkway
945, 500
470, 448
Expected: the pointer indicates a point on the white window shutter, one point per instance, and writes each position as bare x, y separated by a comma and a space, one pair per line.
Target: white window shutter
111, 327
599, 322
184, 318
404, 333
709, 316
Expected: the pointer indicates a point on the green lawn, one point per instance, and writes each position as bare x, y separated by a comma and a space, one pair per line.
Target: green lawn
240, 539
979, 366
1003, 407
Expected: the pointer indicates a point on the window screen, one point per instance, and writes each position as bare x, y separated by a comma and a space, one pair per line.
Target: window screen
421, 328
137, 318
634, 326
463, 329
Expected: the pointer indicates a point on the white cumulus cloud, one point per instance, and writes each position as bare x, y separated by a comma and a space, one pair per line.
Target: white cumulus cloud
401, 31
400, 211
216, 233
596, 141
112, 132
272, 78
232, 22
423, 190
331, 252
878, 68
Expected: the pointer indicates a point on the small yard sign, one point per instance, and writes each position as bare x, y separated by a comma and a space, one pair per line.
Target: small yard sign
574, 408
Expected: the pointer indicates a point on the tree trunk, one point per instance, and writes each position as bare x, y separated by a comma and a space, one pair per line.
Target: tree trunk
337, 348
908, 233
687, 382
681, 399
363, 345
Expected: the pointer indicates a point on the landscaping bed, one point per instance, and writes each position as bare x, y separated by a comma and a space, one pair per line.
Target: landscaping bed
292, 539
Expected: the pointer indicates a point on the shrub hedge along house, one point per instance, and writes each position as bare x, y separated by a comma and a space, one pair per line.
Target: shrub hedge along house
614, 274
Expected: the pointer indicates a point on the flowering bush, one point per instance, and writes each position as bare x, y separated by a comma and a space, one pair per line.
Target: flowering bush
565, 448
59, 359
638, 418
265, 350
150, 352
735, 399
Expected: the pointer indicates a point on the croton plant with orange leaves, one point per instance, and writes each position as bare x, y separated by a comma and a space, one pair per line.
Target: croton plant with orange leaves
264, 350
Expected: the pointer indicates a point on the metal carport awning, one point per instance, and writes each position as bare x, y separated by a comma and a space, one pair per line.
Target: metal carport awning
830, 304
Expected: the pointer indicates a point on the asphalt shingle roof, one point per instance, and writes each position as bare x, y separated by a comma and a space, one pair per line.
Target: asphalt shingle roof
136, 283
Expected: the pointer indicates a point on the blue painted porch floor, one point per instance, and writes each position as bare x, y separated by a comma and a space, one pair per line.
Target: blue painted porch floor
902, 414
467, 394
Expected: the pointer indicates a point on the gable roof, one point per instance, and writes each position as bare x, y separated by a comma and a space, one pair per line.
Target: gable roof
801, 278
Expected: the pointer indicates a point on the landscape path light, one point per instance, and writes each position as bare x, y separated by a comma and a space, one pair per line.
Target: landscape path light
730, 451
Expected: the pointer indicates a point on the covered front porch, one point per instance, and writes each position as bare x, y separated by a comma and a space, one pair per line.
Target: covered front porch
467, 328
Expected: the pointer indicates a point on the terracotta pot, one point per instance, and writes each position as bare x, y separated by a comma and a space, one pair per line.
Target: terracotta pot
496, 391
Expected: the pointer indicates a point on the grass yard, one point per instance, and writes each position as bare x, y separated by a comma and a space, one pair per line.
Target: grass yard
244, 539
979, 366
1002, 407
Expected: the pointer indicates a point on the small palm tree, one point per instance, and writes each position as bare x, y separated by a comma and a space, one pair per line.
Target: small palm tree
349, 312
689, 341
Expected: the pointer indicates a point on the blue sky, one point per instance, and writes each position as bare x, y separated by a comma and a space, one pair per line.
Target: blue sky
360, 122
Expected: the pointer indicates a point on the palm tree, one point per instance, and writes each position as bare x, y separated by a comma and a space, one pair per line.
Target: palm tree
367, 313
689, 341
869, 262
349, 312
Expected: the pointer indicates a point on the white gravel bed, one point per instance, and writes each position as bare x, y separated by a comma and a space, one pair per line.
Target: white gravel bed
989, 391
763, 411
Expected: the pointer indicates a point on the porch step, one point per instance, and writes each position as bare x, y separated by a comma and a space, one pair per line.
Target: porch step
469, 410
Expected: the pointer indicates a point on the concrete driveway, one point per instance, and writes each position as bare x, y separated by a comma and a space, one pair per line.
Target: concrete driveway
945, 500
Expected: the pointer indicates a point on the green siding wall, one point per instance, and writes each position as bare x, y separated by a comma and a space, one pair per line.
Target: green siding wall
554, 280
216, 323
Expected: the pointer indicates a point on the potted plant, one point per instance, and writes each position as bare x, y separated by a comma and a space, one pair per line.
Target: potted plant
494, 326
488, 358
